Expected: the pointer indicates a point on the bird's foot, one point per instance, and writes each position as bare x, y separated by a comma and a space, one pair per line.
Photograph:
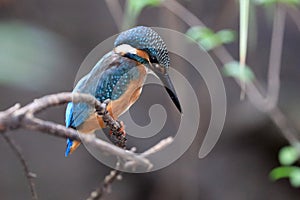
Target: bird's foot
119, 134
103, 107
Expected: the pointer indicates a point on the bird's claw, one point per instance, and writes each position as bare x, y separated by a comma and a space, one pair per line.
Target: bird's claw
103, 107
119, 134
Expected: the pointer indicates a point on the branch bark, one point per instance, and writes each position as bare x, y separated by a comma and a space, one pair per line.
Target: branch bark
275, 56
29, 175
24, 118
18, 117
116, 174
105, 186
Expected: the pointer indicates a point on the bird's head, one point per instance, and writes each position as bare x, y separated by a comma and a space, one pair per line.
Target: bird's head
145, 46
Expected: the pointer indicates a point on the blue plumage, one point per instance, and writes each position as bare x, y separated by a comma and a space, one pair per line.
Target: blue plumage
69, 145
109, 79
145, 38
111, 76
69, 114
69, 121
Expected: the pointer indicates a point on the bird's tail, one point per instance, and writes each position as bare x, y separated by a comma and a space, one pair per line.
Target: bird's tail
71, 146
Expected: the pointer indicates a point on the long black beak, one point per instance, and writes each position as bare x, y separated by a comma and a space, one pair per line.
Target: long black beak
165, 79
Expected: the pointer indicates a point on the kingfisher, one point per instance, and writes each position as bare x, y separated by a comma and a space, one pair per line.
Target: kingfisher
119, 76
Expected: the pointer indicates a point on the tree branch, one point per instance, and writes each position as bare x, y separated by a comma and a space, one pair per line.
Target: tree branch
275, 56
116, 12
116, 174
24, 118
105, 186
294, 13
183, 13
29, 175
18, 117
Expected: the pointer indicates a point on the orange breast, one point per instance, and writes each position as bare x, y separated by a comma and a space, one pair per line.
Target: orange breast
118, 106
93, 123
123, 103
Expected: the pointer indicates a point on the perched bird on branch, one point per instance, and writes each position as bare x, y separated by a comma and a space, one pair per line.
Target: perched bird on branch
119, 76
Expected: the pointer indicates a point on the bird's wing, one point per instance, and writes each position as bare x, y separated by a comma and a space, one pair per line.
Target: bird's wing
99, 82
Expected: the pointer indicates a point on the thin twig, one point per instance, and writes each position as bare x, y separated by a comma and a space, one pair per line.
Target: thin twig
115, 174
252, 92
183, 13
287, 130
158, 147
105, 186
29, 175
275, 56
47, 101
116, 12
294, 13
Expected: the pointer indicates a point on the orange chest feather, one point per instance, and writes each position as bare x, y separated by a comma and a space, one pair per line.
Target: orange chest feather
118, 106
134, 89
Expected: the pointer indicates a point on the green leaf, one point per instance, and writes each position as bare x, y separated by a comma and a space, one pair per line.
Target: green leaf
288, 155
233, 69
205, 37
291, 172
198, 33
226, 36
138, 5
134, 9
282, 172
209, 40
295, 177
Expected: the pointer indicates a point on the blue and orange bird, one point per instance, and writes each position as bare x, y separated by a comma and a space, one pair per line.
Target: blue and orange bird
119, 76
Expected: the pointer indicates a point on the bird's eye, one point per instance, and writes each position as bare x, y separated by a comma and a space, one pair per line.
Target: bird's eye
153, 59
152, 54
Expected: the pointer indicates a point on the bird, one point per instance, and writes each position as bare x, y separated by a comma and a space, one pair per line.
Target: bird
119, 76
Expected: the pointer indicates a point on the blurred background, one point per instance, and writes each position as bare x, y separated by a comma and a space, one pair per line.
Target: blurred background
42, 44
